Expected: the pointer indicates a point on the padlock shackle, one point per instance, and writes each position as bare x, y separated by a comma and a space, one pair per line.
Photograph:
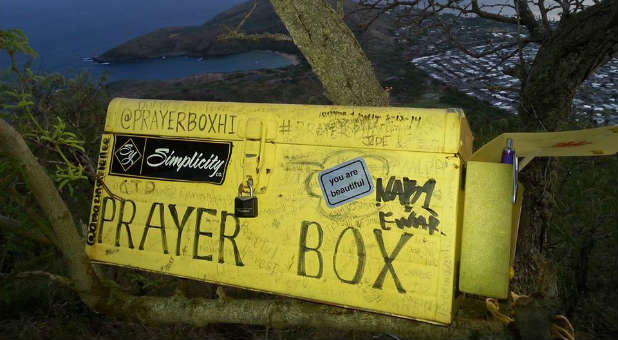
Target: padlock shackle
250, 185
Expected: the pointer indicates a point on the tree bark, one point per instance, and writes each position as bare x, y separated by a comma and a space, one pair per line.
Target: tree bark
582, 42
333, 52
288, 312
42, 187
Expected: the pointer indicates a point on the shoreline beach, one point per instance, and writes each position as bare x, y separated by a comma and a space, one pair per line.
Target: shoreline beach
291, 57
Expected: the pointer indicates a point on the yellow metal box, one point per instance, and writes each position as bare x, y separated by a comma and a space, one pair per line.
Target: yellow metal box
356, 206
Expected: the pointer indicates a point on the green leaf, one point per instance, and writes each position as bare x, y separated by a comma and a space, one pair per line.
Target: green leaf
15, 41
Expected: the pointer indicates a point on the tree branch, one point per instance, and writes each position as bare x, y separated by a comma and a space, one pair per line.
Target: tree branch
258, 36
339, 8
287, 313
526, 17
42, 187
244, 19
493, 50
33, 215
62, 280
333, 52
377, 9
487, 15
581, 43
543, 10
236, 34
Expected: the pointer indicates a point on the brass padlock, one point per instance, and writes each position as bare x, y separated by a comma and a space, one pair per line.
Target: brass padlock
246, 207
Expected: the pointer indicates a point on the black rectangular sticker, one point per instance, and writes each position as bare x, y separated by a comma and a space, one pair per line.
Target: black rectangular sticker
170, 159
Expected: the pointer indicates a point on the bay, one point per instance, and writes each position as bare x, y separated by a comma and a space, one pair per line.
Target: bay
66, 33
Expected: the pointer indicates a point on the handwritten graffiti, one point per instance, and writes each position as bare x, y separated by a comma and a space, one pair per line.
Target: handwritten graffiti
121, 214
134, 186
179, 121
408, 192
412, 220
285, 127
376, 140
314, 253
98, 188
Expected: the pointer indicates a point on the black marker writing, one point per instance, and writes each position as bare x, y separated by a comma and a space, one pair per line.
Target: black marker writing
407, 191
314, 254
159, 218
303, 249
146, 119
388, 260
412, 220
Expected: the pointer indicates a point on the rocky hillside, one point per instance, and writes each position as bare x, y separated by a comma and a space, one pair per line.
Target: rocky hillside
201, 41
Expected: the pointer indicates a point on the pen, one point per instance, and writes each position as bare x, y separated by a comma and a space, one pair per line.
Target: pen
508, 153
509, 157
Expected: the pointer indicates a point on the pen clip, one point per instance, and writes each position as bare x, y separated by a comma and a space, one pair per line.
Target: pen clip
515, 175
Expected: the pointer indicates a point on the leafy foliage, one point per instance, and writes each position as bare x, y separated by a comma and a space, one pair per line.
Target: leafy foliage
14, 41
60, 119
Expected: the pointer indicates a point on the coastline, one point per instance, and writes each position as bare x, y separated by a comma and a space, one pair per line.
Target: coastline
237, 62
291, 57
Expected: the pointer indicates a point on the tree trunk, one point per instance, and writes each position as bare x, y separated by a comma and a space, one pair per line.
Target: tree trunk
333, 52
582, 42
86, 282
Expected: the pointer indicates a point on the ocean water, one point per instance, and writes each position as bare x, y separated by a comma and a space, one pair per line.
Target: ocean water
66, 33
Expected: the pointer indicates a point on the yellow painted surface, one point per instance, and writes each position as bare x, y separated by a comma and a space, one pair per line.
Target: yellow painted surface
297, 246
489, 225
589, 142
490, 221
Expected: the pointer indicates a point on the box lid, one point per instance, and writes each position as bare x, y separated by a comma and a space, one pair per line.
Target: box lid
385, 128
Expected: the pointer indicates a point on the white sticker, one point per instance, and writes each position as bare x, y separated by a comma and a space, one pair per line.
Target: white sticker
346, 182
